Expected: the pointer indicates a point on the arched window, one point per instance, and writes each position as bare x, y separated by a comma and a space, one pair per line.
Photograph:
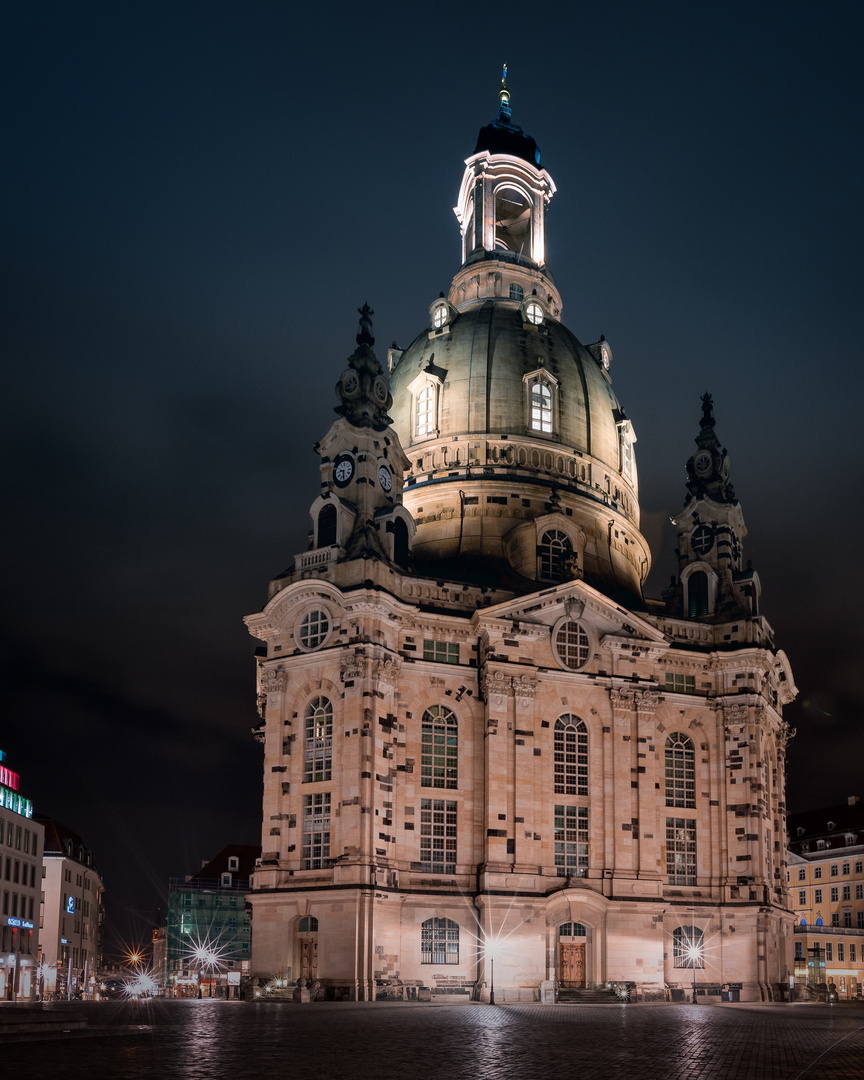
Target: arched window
439, 942
571, 756
541, 406
308, 924
688, 949
440, 746
572, 929
554, 549
680, 771
327, 526
401, 554
319, 740
425, 424
697, 594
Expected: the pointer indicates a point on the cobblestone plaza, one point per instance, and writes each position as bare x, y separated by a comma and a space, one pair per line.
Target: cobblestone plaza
216, 1039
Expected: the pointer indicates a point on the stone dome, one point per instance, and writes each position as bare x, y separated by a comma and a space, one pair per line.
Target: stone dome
513, 432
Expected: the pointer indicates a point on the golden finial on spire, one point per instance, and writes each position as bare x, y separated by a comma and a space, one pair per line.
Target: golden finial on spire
504, 93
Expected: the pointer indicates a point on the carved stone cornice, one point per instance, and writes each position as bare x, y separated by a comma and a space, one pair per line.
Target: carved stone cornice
386, 671
272, 681
623, 703
647, 701
735, 714
497, 688
633, 648
353, 666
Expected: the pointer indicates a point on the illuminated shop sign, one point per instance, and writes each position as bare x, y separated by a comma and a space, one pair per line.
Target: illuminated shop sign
11, 800
8, 778
70, 905
25, 924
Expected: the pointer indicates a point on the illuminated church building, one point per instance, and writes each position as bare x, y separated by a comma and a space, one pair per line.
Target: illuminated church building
480, 740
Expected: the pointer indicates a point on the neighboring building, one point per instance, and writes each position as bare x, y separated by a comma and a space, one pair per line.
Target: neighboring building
826, 880
207, 936
21, 843
480, 740
71, 914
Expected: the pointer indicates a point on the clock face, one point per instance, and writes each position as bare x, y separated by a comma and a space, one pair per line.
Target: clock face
384, 478
702, 462
343, 470
702, 540
380, 390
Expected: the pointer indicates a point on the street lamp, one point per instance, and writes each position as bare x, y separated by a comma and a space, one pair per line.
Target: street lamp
694, 953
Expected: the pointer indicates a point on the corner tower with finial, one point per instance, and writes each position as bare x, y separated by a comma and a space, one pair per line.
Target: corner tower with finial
359, 512
714, 583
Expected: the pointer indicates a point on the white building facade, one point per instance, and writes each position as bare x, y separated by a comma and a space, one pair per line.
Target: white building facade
481, 742
71, 915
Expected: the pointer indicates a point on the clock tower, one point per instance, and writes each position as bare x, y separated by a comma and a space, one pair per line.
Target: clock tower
359, 511
713, 582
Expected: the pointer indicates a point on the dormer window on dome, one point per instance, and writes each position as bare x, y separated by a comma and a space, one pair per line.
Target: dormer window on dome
440, 315
533, 312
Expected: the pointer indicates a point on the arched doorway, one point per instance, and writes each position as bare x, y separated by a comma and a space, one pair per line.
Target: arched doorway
572, 942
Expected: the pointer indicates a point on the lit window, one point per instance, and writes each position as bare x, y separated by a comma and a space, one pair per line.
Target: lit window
553, 551
314, 628
444, 652
571, 841
440, 747
681, 851
440, 316
680, 771
426, 411
534, 313
316, 831
439, 942
680, 684
319, 740
687, 947
541, 407
571, 756
517, 292
571, 644
437, 836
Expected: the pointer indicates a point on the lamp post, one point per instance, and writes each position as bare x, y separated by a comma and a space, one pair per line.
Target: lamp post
694, 952
492, 981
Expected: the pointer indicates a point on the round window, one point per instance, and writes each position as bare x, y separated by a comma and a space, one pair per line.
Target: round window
314, 627
534, 313
571, 644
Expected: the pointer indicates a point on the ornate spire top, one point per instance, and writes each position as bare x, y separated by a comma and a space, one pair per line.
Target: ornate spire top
708, 468
363, 389
504, 113
707, 411
364, 336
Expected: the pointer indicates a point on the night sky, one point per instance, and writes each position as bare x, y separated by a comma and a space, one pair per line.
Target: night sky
197, 199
